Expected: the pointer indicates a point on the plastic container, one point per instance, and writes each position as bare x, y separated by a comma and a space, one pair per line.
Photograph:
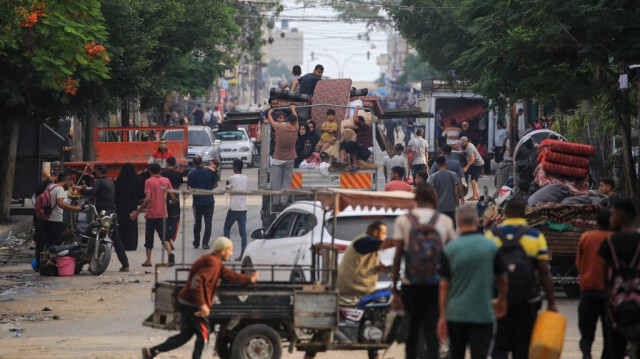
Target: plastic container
66, 266
548, 336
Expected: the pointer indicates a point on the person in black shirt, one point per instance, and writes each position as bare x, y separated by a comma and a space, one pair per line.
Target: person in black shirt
37, 222
198, 115
173, 209
67, 150
308, 82
625, 241
104, 191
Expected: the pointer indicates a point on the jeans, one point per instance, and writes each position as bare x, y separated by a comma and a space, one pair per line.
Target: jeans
421, 303
589, 310
514, 331
189, 325
478, 336
241, 218
205, 211
281, 179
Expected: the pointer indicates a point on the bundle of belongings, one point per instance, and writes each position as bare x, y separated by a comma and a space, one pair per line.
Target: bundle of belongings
564, 163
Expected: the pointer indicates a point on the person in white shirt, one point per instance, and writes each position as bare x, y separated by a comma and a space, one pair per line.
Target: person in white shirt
420, 150
500, 142
207, 117
238, 209
398, 160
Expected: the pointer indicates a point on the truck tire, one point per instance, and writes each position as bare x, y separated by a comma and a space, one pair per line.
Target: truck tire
257, 341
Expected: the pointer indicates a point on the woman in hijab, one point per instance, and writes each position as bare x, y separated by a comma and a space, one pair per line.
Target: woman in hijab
127, 197
305, 144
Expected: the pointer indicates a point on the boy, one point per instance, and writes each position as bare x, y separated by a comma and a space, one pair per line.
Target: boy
607, 187
238, 208
328, 129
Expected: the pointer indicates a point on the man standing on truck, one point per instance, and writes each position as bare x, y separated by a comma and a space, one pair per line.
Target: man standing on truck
203, 205
196, 298
308, 82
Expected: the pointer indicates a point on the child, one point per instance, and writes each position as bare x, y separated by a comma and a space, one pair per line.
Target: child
328, 129
607, 187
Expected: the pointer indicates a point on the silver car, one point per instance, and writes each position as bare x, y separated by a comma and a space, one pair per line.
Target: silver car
236, 145
202, 142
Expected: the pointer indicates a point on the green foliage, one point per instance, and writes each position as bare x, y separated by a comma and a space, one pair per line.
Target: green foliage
415, 70
277, 69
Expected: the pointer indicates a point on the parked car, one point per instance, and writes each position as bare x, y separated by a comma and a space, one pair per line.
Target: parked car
202, 142
235, 144
289, 238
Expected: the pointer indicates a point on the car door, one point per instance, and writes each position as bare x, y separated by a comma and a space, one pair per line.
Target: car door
267, 252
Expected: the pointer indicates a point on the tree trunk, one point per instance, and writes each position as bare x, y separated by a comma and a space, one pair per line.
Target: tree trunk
624, 126
9, 137
90, 122
124, 113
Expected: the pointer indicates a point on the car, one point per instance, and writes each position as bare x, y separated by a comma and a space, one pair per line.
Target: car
236, 145
202, 142
288, 240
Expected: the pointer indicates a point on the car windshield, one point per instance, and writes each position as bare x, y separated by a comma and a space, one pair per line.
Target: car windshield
232, 136
196, 138
351, 227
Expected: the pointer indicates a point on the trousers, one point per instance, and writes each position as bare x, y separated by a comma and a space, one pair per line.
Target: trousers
189, 325
281, 179
421, 303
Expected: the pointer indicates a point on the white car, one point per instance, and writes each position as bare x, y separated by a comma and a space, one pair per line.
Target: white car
202, 142
288, 240
236, 145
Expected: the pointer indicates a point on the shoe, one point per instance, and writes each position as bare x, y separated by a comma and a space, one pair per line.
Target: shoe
339, 164
196, 245
238, 259
124, 269
205, 246
147, 353
172, 259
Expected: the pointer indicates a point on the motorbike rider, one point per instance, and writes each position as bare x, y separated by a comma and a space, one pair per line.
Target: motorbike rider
104, 192
161, 155
358, 271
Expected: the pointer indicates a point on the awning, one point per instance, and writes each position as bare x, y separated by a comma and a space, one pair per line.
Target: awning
339, 199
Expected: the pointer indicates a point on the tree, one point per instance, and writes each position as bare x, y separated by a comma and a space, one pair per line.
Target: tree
47, 50
557, 52
277, 69
415, 69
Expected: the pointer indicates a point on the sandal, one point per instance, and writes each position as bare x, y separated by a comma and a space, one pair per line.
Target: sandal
145, 264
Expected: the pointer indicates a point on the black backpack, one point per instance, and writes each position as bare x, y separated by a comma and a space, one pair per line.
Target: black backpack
624, 295
520, 267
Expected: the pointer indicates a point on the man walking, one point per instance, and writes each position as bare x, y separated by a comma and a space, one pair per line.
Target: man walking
422, 227
398, 159
238, 209
397, 183
514, 235
474, 165
196, 298
452, 164
447, 185
593, 294
173, 209
104, 191
618, 252
420, 150
500, 142
470, 268
155, 200
203, 205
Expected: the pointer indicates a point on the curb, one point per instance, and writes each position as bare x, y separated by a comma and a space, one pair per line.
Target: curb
19, 224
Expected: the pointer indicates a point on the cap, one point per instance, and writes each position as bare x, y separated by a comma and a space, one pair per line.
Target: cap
464, 139
221, 243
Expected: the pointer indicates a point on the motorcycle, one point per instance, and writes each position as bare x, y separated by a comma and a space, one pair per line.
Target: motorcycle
365, 323
91, 241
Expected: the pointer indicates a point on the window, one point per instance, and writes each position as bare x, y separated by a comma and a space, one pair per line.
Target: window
232, 136
304, 224
282, 228
351, 227
196, 138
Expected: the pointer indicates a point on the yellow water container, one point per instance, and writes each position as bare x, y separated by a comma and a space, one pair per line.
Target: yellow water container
548, 336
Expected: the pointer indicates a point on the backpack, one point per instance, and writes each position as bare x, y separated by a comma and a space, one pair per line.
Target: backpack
520, 270
422, 257
624, 295
43, 206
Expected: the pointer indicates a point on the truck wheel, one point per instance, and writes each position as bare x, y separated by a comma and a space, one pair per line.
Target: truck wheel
257, 341
247, 266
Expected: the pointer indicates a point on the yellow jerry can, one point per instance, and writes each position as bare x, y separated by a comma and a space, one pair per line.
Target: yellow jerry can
548, 336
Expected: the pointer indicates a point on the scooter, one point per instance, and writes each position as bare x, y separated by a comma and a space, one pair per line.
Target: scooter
91, 243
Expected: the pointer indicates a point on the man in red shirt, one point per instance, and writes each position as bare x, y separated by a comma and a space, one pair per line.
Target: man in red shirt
161, 154
593, 295
396, 183
155, 202
196, 297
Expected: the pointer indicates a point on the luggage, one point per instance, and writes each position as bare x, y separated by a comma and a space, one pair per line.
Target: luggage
548, 336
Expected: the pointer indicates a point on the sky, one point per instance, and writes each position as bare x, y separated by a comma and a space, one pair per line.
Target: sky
334, 43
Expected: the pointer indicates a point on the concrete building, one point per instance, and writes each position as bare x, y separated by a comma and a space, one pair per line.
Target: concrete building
287, 46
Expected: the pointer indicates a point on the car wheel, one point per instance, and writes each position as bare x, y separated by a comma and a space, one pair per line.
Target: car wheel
247, 266
257, 341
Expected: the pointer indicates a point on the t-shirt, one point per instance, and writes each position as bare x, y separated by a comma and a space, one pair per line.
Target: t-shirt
445, 183
470, 264
625, 245
238, 182
533, 241
365, 136
395, 161
157, 206
452, 165
472, 150
398, 185
420, 147
56, 211
198, 117
444, 225
307, 83
175, 178
590, 265
501, 135
452, 134
202, 178
286, 137
367, 245
328, 126
207, 118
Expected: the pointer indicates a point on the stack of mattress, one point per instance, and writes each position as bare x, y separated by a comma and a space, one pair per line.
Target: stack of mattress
564, 158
